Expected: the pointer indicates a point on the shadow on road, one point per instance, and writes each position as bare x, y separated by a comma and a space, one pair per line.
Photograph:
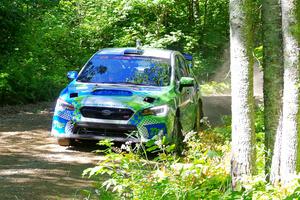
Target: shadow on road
32, 165
85, 146
25, 122
27, 177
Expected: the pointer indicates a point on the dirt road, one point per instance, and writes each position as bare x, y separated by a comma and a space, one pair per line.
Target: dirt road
33, 166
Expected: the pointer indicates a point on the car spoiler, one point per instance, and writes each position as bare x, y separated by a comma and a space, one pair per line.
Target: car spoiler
189, 58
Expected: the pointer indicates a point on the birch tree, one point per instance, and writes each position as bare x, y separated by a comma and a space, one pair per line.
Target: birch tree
290, 122
273, 84
241, 47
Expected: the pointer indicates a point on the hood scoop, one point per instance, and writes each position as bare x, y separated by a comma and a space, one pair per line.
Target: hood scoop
149, 99
73, 95
107, 92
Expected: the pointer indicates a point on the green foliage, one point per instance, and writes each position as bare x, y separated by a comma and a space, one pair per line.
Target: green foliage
133, 176
215, 88
258, 54
202, 173
296, 27
41, 40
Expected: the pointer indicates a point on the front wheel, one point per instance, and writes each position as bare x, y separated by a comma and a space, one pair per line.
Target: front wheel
178, 136
199, 116
64, 142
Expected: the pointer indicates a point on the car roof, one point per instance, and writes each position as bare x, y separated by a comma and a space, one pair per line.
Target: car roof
151, 52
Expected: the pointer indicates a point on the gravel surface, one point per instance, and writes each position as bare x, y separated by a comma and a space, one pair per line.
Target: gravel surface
32, 165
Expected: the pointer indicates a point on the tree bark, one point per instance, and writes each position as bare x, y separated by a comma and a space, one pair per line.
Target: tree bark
290, 124
196, 7
191, 11
241, 46
276, 157
273, 84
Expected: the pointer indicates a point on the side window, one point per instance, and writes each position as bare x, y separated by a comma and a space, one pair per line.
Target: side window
178, 70
181, 68
184, 67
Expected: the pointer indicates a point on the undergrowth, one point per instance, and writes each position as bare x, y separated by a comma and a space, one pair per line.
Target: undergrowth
153, 171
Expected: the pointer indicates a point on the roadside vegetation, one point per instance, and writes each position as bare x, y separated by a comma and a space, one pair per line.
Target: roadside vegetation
153, 171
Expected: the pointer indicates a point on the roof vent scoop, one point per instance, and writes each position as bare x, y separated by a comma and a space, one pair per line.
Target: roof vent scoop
138, 44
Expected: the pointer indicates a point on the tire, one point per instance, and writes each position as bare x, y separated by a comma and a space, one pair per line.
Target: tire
64, 142
199, 115
178, 136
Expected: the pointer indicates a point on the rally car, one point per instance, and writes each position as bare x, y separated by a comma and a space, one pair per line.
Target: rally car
129, 94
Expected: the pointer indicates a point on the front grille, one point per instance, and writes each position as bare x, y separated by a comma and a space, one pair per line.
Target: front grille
107, 130
106, 113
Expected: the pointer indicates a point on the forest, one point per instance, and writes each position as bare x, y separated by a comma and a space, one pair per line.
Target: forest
253, 154
43, 39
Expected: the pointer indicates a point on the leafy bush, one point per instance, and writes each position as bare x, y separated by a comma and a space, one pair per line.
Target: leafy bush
215, 88
203, 172
132, 176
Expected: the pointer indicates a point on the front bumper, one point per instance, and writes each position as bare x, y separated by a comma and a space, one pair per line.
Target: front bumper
69, 124
98, 131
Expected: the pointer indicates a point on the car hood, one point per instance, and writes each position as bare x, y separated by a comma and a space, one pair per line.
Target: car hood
117, 95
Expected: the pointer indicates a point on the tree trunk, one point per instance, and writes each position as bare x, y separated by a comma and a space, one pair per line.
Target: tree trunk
196, 7
273, 84
241, 46
274, 175
205, 14
191, 11
202, 29
290, 124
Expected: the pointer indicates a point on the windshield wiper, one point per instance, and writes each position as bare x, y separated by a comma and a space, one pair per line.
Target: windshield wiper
120, 83
124, 83
132, 83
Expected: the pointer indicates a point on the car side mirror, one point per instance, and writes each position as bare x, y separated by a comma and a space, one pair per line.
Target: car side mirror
72, 75
186, 82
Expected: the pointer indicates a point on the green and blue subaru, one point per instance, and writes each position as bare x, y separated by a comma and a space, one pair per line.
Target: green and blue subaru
129, 94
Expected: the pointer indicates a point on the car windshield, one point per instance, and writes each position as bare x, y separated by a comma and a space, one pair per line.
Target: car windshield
137, 70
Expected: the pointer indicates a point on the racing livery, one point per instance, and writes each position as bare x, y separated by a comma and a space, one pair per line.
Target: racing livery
128, 94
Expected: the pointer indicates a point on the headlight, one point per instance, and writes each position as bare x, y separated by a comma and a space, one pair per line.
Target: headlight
157, 110
63, 105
